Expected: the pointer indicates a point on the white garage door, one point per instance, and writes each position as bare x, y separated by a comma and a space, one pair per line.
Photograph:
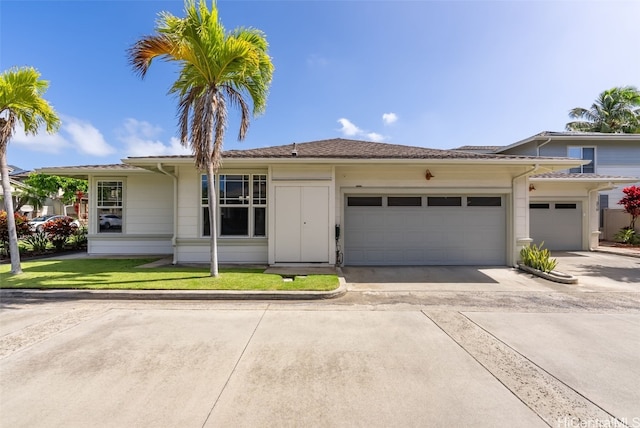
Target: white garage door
558, 224
425, 230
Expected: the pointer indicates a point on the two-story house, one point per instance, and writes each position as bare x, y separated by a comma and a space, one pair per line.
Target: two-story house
557, 212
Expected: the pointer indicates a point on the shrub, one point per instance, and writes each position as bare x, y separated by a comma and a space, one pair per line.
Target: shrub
631, 203
38, 241
79, 238
627, 235
22, 228
537, 258
58, 231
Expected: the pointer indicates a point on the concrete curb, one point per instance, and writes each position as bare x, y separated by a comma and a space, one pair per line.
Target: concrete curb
555, 276
75, 294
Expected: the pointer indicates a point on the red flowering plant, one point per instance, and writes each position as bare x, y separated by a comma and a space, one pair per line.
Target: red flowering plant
631, 204
22, 228
59, 230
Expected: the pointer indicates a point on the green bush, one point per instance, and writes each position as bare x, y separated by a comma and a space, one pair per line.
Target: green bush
78, 239
38, 241
537, 258
626, 235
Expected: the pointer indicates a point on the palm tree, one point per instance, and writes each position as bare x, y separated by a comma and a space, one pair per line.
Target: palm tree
616, 110
21, 91
29, 195
216, 69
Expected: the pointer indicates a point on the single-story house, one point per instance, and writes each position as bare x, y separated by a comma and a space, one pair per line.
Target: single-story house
328, 202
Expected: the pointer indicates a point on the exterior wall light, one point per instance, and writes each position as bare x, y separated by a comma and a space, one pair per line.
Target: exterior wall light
428, 175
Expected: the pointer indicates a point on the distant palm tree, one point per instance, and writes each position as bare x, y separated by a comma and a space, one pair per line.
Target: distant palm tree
29, 195
616, 110
21, 91
216, 68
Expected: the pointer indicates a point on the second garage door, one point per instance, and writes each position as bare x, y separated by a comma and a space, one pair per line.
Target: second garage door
425, 230
558, 224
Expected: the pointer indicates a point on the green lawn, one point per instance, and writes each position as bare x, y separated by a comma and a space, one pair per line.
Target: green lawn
125, 274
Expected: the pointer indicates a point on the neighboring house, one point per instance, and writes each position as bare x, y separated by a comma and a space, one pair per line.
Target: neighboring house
16, 177
14, 181
328, 202
609, 155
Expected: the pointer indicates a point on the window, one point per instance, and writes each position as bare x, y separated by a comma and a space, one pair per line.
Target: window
484, 201
109, 205
539, 206
242, 205
444, 201
364, 201
586, 153
566, 206
404, 201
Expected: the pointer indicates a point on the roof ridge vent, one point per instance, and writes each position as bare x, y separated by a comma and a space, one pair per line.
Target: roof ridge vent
294, 151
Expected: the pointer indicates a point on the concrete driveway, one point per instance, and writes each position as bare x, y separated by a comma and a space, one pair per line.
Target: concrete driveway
601, 271
441, 346
438, 278
595, 271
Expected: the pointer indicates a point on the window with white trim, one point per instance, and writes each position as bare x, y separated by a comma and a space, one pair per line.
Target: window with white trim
242, 205
585, 153
110, 205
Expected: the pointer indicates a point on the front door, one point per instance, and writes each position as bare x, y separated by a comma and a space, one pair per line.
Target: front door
302, 224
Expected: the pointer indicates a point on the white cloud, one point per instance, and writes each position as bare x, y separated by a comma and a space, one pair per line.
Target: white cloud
141, 139
389, 118
41, 142
374, 136
86, 138
349, 129
73, 134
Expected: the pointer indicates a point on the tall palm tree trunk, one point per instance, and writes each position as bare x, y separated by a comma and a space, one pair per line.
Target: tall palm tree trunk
213, 218
11, 221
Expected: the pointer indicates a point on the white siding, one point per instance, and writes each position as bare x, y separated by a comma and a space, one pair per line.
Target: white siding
616, 194
129, 244
232, 251
148, 205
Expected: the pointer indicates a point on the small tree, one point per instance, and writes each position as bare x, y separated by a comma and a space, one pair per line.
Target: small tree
59, 231
631, 203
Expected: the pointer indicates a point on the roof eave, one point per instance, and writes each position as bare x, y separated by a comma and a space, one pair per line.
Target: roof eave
563, 163
543, 136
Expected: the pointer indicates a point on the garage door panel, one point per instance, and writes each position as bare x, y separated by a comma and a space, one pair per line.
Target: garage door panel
425, 235
559, 228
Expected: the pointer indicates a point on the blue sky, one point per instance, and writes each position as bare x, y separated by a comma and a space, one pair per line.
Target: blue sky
437, 74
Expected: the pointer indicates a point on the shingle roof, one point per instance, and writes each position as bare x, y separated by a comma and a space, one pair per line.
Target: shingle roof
479, 148
583, 176
340, 148
110, 167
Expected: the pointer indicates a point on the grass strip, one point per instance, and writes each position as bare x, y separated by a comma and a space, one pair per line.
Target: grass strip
125, 274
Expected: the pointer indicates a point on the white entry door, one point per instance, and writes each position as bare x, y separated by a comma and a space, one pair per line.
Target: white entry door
302, 224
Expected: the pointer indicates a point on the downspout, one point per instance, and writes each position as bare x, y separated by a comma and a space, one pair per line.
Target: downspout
175, 210
607, 186
538, 147
520, 242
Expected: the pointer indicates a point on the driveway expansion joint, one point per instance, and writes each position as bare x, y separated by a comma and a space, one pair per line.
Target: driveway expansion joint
552, 400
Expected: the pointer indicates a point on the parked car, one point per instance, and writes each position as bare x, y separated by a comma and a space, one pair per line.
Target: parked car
36, 224
107, 221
